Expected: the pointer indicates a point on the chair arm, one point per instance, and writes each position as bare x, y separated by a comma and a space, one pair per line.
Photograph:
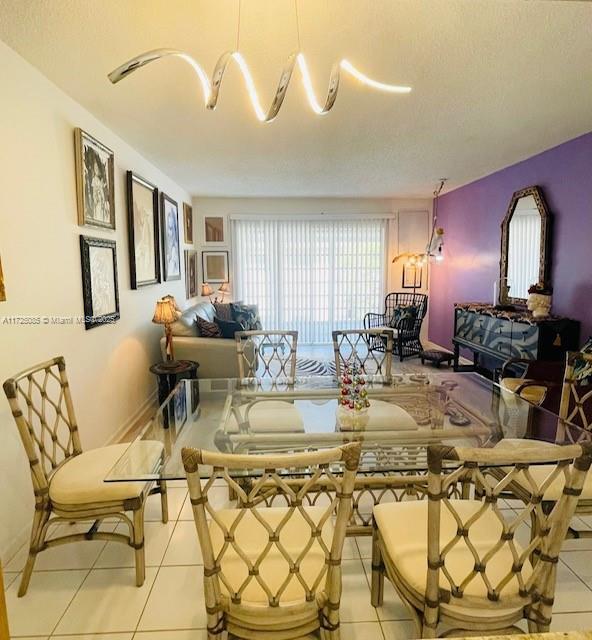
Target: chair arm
372, 320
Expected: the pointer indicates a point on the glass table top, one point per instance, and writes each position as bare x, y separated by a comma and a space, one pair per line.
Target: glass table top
404, 416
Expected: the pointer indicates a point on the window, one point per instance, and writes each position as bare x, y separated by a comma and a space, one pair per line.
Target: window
310, 275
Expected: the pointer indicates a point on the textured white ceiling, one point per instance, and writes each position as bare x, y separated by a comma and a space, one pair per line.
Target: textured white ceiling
494, 81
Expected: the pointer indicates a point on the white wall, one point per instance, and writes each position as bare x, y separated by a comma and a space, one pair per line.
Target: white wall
108, 365
408, 228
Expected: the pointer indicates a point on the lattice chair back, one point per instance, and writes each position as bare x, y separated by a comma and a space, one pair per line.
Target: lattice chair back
576, 394
400, 299
358, 346
42, 408
473, 548
272, 561
266, 354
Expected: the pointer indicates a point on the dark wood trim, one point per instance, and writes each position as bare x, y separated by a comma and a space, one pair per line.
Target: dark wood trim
545, 254
164, 197
131, 178
90, 320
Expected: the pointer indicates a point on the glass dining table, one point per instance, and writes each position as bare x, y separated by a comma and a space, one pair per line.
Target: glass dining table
406, 414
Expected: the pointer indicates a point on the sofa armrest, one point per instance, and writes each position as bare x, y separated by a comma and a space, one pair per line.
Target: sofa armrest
216, 356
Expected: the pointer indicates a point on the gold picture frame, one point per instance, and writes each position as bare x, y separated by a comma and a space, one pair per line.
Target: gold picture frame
95, 182
188, 222
214, 229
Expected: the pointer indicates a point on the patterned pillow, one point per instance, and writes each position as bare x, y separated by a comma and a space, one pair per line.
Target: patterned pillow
247, 315
582, 369
403, 316
228, 328
207, 329
223, 311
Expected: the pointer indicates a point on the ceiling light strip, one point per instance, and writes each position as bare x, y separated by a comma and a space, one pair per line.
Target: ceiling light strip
211, 88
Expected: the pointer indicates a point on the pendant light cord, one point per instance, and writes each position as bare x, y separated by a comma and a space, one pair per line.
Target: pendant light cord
238, 26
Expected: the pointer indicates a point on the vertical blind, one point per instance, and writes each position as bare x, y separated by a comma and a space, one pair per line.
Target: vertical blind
312, 276
524, 245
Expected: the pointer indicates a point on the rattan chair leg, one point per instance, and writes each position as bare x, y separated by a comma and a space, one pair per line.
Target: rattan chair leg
138, 544
38, 528
164, 501
377, 590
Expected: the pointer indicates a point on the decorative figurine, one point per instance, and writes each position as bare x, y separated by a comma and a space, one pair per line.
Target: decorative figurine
539, 300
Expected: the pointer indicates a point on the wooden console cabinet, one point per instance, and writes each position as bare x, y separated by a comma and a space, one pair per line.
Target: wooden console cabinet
493, 336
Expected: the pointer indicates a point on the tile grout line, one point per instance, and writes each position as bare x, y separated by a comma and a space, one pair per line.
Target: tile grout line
135, 631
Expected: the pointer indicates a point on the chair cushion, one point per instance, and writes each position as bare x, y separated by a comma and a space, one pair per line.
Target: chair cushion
268, 416
381, 415
534, 394
80, 480
252, 538
404, 530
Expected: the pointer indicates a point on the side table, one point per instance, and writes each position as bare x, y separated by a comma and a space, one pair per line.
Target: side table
169, 376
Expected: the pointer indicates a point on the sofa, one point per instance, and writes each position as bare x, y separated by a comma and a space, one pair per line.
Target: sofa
216, 356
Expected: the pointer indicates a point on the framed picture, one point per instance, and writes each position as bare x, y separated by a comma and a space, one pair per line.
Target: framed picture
188, 223
99, 281
411, 276
214, 230
215, 266
2, 287
190, 273
94, 182
169, 227
142, 221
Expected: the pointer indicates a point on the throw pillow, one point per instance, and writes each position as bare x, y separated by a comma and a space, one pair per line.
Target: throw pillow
207, 329
228, 328
223, 311
247, 315
403, 317
582, 370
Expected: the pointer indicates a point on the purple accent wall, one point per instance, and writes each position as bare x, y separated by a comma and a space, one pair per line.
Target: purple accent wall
472, 215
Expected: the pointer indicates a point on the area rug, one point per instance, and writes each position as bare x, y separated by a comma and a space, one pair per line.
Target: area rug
314, 367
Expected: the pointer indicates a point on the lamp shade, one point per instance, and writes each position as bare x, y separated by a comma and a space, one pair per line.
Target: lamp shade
165, 312
172, 300
206, 290
224, 287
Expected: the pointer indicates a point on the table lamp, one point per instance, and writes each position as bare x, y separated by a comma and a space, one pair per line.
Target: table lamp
166, 313
224, 290
206, 290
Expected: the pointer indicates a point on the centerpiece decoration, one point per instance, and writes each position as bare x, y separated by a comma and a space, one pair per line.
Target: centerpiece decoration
353, 400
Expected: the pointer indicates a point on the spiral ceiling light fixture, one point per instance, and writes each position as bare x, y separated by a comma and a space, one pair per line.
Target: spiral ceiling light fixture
211, 88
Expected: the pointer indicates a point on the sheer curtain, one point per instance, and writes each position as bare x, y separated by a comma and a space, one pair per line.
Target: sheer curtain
310, 275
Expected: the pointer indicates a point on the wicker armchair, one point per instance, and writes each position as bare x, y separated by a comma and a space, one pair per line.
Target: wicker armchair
68, 483
272, 572
459, 562
407, 342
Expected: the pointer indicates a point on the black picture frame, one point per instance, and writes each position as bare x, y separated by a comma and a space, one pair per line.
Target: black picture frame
412, 276
91, 318
134, 179
166, 233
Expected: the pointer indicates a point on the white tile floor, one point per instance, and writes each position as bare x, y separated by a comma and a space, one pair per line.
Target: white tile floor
86, 590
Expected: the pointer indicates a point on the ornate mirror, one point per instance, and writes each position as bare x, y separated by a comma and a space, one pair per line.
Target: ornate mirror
526, 246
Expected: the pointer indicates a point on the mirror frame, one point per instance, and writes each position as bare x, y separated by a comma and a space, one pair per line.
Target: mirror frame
545, 252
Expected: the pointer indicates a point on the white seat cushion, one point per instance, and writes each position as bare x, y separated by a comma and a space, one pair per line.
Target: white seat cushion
80, 480
380, 415
534, 393
404, 530
252, 538
268, 416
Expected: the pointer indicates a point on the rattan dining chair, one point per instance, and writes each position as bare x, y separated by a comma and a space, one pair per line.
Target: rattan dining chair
356, 346
68, 483
272, 572
266, 354
575, 409
459, 562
